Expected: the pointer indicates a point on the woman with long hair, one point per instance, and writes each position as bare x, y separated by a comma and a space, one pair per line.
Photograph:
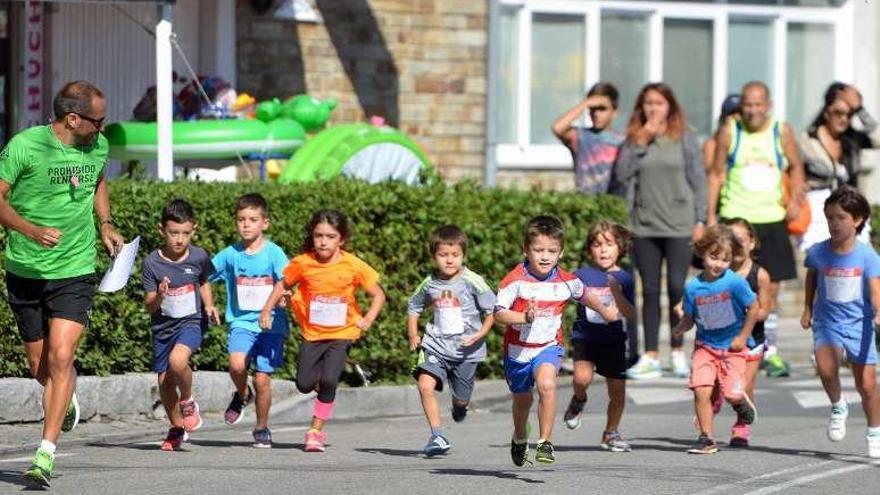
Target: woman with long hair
661, 169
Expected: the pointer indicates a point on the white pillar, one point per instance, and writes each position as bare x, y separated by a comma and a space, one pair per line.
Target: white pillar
164, 95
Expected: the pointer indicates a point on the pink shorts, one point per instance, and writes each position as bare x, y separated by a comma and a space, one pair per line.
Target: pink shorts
728, 367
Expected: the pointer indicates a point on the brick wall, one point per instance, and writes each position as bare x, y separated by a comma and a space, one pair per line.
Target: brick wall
436, 74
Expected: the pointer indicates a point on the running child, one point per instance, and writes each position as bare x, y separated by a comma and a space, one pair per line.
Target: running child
326, 278
759, 281
725, 310
453, 344
842, 292
531, 299
249, 269
180, 302
599, 346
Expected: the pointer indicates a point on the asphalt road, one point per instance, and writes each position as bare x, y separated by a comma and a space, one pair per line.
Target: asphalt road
789, 453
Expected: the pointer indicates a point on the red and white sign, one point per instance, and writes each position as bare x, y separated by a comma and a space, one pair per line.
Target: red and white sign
32, 111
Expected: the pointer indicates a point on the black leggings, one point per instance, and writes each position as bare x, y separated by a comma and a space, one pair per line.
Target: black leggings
320, 366
649, 253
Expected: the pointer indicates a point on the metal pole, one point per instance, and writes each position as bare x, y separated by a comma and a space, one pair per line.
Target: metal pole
164, 95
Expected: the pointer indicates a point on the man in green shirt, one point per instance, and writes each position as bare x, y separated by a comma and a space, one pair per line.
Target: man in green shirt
51, 178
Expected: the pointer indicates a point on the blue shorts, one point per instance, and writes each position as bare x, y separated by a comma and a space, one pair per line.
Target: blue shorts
859, 347
265, 350
521, 376
189, 336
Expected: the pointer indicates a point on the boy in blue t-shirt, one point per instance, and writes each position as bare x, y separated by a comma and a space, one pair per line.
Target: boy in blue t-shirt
250, 268
180, 302
724, 308
597, 344
842, 292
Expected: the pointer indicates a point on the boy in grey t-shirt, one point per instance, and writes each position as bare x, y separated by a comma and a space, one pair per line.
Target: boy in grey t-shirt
453, 345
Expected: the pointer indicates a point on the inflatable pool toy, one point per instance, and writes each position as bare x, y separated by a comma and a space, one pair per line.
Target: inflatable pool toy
308, 111
369, 152
206, 139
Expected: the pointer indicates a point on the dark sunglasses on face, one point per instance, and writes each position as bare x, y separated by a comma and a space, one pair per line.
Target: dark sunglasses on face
95, 122
840, 113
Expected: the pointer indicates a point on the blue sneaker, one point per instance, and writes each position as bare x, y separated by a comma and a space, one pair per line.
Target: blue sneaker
262, 439
437, 444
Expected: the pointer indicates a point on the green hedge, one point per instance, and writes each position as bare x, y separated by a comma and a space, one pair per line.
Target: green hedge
391, 225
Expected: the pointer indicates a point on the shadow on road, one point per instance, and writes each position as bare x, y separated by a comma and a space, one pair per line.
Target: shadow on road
680, 445
196, 442
492, 473
391, 452
14, 478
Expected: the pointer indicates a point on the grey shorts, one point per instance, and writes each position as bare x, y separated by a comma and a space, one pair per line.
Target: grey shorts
459, 374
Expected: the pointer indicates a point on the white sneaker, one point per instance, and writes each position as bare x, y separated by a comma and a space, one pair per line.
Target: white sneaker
680, 367
646, 368
837, 424
873, 446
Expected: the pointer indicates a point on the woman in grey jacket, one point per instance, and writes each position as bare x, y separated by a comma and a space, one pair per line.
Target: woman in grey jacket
662, 172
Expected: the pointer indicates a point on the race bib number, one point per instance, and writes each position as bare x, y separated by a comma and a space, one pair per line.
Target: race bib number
447, 314
328, 311
253, 292
760, 177
843, 285
542, 330
179, 301
716, 311
604, 296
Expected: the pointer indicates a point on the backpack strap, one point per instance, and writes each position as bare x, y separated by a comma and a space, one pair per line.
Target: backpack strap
731, 157
777, 144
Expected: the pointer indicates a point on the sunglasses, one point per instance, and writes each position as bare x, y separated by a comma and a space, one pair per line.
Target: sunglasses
599, 108
98, 123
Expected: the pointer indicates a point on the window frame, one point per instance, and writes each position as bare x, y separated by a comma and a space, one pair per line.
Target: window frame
521, 155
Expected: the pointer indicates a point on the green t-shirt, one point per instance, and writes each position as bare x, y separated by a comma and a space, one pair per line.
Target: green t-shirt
52, 185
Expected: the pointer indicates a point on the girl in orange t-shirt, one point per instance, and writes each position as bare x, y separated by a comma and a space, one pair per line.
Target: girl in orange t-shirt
326, 309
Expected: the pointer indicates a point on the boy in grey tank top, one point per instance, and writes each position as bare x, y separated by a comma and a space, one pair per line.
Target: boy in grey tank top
453, 344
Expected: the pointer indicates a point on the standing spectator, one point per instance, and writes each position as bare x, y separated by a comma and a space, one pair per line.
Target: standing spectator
746, 181
594, 151
665, 183
831, 148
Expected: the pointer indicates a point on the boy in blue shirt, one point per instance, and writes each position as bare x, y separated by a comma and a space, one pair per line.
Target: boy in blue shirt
724, 308
842, 292
250, 268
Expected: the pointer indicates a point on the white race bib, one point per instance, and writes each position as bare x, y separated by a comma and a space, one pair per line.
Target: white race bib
328, 311
760, 177
447, 314
179, 301
253, 292
542, 330
843, 285
716, 311
604, 296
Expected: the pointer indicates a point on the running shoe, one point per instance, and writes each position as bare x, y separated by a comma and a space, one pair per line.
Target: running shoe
680, 367
572, 415
262, 439
703, 445
71, 418
739, 435
315, 440
192, 419
233, 411
646, 368
776, 367
612, 441
175, 438
544, 452
873, 446
837, 423
40, 473
459, 413
746, 412
519, 452
437, 444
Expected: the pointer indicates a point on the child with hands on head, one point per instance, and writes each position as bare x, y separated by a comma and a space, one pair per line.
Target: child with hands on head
453, 344
842, 305
180, 303
326, 278
725, 310
599, 345
531, 300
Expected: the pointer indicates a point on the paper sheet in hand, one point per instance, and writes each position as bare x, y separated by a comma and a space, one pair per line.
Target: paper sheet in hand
120, 268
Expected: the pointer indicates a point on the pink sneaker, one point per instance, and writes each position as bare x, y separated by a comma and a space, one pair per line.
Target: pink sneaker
739, 435
315, 441
192, 420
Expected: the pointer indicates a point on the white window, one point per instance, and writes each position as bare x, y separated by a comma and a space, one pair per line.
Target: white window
545, 54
